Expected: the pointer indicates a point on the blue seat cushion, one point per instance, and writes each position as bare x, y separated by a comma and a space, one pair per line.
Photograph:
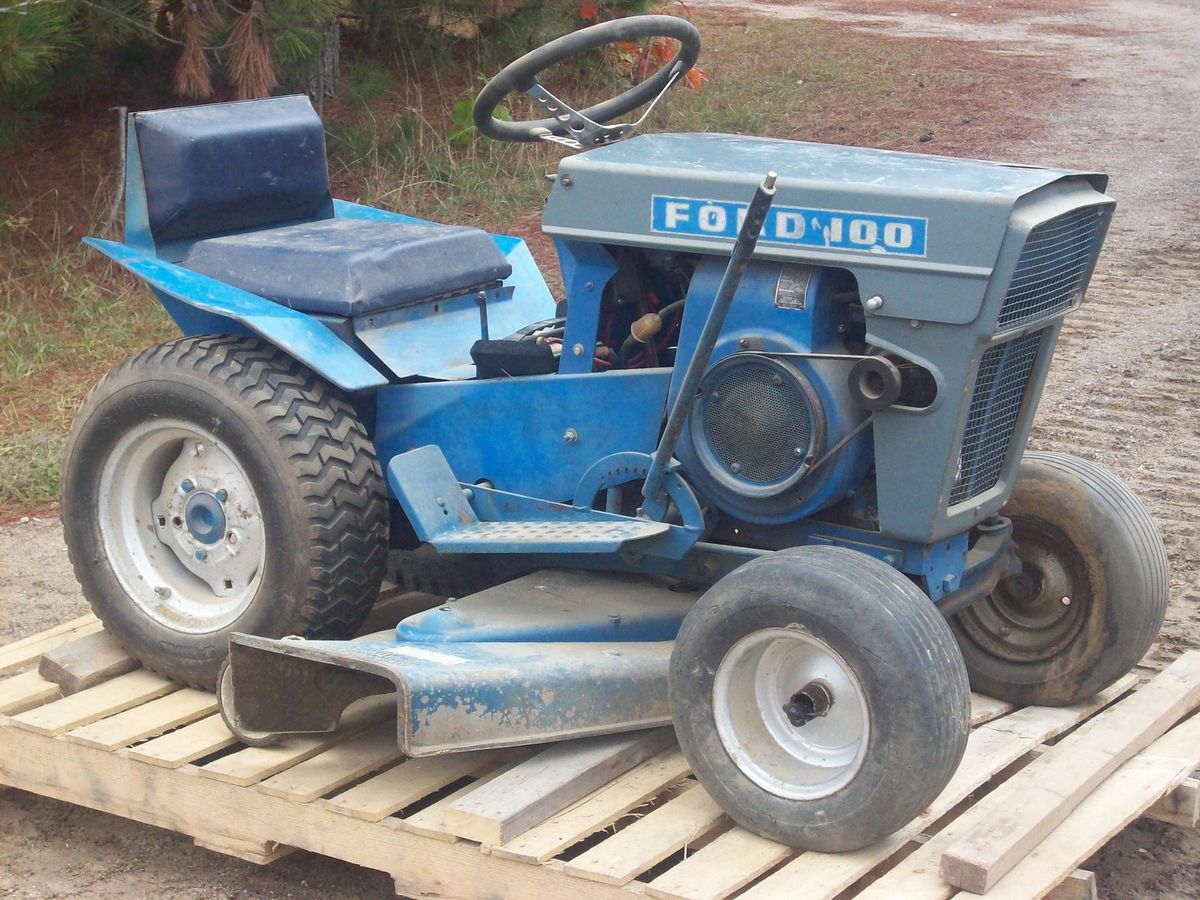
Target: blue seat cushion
225, 167
352, 267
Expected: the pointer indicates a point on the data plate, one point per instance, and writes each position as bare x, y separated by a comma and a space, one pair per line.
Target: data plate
792, 287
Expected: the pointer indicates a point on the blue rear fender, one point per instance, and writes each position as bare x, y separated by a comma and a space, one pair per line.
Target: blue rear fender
203, 305
199, 304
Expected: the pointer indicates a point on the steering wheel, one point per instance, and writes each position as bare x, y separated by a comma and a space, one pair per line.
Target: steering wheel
577, 129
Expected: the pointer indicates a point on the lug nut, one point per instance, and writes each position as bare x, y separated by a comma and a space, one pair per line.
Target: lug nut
187, 486
222, 495
201, 555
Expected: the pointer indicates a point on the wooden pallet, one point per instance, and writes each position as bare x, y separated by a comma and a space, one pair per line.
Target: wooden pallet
604, 817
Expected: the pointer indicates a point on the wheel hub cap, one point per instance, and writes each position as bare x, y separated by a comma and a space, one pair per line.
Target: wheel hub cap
205, 517
181, 526
790, 713
1033, 615
810, 702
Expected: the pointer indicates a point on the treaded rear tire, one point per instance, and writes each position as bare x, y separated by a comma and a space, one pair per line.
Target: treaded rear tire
307, 457
911, 679
1099, 533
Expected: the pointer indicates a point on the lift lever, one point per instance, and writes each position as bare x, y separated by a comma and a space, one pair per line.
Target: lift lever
654, 500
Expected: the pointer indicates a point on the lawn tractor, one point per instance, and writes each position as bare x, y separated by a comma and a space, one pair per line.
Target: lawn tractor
760, 474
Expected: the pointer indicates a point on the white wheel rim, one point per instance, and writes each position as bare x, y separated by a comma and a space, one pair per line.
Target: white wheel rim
181, 526
758, 677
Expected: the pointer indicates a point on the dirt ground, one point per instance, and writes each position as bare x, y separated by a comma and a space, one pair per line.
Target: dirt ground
1123, 391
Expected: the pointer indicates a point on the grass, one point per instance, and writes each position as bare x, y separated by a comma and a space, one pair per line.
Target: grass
50, 355
397, 140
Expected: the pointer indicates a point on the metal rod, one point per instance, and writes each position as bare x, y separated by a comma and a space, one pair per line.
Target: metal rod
743, 248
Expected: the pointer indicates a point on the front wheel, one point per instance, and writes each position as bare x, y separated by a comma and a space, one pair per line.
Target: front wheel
214, 485
1089, 599
819, 697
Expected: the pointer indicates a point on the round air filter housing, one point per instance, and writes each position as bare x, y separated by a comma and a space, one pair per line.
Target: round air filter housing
756, 428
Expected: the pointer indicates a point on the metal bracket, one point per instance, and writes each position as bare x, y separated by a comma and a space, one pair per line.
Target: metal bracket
629, 466
585, 131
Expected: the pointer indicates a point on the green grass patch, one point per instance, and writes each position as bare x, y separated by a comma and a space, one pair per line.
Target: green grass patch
65, 318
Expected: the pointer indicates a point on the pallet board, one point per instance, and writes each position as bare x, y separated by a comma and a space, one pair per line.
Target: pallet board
1041, 797
600, 817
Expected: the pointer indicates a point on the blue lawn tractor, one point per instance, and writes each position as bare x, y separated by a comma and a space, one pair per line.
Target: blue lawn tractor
760, 475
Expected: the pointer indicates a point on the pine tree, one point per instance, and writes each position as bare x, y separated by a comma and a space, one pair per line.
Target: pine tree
252, 46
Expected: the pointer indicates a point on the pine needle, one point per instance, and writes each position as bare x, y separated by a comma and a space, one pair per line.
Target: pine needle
250, 64
193, 71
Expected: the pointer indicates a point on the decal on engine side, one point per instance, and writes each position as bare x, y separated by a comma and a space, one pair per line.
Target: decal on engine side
831, 228
792, 287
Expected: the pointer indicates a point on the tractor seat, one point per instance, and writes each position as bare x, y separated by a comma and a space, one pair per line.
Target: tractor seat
352, 267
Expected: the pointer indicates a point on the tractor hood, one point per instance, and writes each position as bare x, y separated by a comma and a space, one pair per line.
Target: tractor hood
897, 220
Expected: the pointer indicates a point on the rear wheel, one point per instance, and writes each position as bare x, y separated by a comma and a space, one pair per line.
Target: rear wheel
214, 485
1089, 599
819, 697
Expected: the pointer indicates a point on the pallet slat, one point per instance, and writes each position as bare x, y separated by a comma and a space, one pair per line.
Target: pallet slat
651, 839
1181, 807
255, 764
189, 743
97, 702
150, 719
719, 869
547, 783
918, 876
1044, 793
431, 821
28, 651
990, 749
1125, 795
261, 853
328, 771
405, 784
85, 662
600, 809
25, 691
1079, 885
985, 708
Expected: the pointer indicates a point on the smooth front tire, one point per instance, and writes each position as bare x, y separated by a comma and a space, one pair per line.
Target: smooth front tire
1090, 597
214, 485
819, 697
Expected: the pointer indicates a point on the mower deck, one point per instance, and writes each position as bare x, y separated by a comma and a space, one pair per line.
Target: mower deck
550, 655
601, 817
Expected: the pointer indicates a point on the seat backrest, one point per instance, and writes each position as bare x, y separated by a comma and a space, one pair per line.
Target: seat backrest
226, 167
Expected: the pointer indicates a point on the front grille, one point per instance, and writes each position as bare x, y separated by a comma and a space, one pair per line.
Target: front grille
1052, 267
1000, 389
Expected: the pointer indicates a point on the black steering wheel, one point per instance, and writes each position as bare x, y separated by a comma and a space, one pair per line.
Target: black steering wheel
588, 127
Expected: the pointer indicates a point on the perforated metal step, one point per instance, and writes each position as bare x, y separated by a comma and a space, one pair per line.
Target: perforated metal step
440, 514
546, 537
